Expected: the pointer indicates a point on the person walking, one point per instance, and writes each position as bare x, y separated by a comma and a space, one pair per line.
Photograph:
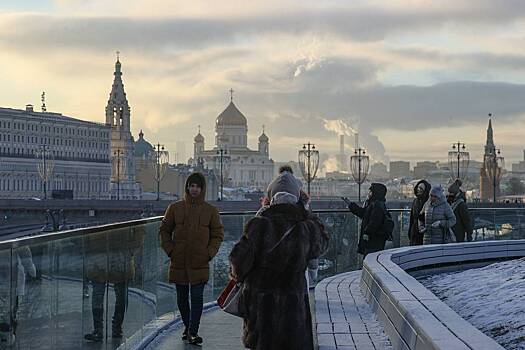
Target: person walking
373, 214
422, 193
270, 259
463, 226
191, 234
438, 219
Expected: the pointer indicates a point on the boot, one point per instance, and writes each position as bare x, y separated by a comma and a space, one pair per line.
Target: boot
98, 325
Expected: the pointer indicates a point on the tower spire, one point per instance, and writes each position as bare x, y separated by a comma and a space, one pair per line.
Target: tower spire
489, 146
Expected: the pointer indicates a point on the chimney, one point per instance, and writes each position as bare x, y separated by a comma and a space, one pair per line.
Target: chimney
341, 144
29, 108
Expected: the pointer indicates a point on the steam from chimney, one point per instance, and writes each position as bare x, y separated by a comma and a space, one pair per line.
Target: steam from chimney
339, 127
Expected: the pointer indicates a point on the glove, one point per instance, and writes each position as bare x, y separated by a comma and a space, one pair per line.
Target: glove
353, 206
365, 237
436, 224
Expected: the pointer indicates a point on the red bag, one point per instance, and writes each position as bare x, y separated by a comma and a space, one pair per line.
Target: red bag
228, 300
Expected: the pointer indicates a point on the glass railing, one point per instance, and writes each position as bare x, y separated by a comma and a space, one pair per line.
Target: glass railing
50, 284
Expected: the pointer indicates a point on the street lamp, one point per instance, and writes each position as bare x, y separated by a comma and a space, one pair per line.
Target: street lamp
309, 163
494, 164
45, 165
458, 161
161, 165
116, 158
359, 164
222, 161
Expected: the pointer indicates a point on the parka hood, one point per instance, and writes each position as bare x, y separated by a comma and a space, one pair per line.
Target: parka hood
426, 193
378, 191
199, 178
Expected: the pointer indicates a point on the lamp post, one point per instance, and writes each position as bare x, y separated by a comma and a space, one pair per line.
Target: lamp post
116, 158
161, 165
45, 165
458, 161
309, 163
494, 164
359, 164
221, 162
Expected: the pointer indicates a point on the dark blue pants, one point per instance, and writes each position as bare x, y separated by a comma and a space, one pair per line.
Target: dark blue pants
97, 304
190, 317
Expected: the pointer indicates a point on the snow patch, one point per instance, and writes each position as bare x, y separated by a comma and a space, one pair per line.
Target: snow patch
491, 298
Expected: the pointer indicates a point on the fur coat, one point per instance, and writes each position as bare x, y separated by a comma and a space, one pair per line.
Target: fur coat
274, 301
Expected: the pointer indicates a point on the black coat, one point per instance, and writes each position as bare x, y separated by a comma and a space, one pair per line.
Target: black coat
416, 237
463, 220
274, 301
372, 216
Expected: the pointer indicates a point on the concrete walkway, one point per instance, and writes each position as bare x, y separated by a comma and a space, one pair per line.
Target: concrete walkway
344, 319
219, 330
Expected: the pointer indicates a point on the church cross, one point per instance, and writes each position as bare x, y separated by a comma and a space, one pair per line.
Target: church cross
231, 95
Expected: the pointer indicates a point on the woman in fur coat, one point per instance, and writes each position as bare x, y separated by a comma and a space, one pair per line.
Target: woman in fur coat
274, 301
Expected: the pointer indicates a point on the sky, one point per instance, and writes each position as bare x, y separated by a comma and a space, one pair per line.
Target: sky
412, 77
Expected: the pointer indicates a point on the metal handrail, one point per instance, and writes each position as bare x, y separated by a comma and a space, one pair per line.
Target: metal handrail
45, 237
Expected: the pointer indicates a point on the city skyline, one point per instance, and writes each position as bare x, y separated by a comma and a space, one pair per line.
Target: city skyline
413, 77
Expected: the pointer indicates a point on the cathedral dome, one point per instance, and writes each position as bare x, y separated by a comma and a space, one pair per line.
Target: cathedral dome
142, 147
199, 138
263, 138
231, 116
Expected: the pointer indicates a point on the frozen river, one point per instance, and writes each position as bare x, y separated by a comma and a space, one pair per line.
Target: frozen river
491, 298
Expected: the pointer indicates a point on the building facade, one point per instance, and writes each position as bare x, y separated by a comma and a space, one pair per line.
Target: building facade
76, 155
400, 169
242, 167
118, 117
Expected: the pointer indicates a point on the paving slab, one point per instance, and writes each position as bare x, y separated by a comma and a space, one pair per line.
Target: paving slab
344, 318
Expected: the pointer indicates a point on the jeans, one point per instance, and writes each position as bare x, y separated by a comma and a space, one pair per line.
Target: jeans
97, 304
190, 318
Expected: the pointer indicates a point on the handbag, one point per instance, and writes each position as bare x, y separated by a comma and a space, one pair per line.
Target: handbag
229, 298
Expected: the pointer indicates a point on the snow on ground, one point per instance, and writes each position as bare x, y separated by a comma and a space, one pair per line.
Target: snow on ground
491, 298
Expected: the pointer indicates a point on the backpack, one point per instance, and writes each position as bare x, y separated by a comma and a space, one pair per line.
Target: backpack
388, 225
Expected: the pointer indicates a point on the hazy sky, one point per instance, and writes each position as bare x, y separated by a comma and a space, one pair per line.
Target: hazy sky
412, 76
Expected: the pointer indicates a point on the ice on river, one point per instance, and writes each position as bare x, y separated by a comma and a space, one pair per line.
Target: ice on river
491, 298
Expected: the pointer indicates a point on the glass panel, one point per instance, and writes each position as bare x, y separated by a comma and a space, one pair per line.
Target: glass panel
7, 300
34, 288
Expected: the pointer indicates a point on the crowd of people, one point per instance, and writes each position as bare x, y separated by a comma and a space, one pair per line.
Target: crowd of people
275, 259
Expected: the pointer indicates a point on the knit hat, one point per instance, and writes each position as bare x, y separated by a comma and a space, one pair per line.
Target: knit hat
285, 182
437, 191
453, 189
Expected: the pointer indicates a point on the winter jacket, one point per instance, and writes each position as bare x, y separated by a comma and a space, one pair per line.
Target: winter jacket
110, 256
191, 234
463, 220
371, 238
274, 299
438, 211
415, 236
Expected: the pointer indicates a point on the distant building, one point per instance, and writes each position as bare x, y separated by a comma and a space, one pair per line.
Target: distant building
118, 112
378, 171
422, 169
400, 169
520, 166
78, 152
245, 167
486, 187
